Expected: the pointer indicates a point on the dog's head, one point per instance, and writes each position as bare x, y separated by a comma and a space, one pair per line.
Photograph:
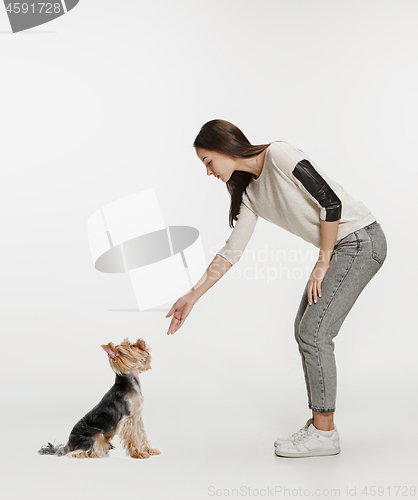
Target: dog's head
128, 356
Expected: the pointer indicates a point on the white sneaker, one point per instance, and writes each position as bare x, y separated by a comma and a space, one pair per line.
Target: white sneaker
280, 441
311, 443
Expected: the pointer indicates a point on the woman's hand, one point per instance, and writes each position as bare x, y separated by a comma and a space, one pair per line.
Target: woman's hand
181, 310
315, 280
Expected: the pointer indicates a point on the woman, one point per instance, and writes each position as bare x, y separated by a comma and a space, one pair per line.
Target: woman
283, 185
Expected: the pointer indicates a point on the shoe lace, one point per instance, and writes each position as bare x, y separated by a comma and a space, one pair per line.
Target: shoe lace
298, 436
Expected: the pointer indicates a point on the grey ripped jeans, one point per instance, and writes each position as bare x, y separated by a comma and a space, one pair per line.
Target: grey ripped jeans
354, 261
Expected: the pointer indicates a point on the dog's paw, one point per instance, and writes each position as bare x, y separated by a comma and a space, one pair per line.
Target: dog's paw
154, 451
140, 454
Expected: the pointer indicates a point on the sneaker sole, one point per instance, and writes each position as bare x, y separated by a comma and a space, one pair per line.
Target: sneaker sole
314, 453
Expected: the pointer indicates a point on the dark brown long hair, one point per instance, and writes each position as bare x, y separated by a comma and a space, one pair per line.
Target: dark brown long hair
224, 137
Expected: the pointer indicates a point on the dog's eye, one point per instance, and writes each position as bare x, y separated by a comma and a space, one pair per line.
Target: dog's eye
131, 346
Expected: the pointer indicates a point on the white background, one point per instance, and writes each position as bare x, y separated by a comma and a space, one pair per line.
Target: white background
105, 102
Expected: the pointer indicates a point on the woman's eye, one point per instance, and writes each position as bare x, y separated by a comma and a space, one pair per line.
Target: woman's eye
209, 162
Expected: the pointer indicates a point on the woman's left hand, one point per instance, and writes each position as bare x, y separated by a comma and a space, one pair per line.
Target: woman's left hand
315, 280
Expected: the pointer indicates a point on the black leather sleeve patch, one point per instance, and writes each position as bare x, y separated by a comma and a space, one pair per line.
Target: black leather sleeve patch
317, 186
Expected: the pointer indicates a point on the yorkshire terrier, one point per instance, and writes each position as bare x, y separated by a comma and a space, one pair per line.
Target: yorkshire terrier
119, 411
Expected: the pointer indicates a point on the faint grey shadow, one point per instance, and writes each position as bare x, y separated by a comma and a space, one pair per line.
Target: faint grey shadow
26, 32
154, 309
146, 249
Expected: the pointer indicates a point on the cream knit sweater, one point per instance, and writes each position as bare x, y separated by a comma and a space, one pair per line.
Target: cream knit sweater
294, 193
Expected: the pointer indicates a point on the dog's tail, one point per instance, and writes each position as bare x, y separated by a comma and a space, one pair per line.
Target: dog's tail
50, 449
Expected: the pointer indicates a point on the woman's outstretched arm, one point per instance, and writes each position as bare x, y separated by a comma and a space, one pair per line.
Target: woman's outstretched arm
227, 256
181, 309
217, 268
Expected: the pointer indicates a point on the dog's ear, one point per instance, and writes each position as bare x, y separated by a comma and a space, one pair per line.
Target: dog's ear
110, 349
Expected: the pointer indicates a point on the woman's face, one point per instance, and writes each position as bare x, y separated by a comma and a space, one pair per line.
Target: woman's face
217, 164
